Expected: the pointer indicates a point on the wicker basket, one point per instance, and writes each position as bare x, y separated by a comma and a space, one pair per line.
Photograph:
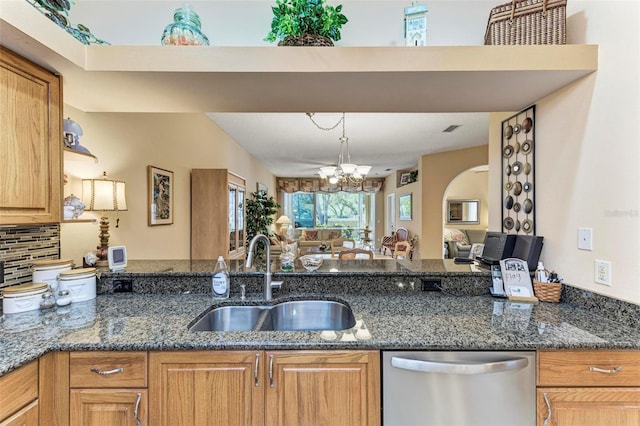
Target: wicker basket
306, 40
547, 292
528, 22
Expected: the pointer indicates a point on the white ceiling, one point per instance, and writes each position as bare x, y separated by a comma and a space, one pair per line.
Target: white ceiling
290, 145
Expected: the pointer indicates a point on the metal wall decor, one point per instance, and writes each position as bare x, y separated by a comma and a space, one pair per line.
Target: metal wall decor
518, 173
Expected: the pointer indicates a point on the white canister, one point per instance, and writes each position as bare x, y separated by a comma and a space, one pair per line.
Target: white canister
23, 297
47, 271
81, 283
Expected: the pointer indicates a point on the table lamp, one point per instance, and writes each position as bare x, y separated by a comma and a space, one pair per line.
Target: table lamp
103, 195
284, 223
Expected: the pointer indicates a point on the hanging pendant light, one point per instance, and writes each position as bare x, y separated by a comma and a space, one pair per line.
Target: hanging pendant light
345, 171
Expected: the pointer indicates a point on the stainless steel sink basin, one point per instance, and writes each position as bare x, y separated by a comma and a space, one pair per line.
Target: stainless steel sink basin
297, 315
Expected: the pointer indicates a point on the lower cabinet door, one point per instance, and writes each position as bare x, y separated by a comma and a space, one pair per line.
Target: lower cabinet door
323, 388
588, 406
27, 416
106, 407
206, 388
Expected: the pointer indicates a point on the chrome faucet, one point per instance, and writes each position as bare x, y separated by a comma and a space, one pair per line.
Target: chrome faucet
268, 284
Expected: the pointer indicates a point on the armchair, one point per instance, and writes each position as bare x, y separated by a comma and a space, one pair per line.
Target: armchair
337, 245
389, 242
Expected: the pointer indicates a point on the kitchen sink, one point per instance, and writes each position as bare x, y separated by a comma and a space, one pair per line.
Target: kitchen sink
297, 315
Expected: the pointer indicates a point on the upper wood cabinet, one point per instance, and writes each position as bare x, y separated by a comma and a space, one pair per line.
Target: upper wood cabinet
218, 226
30, 142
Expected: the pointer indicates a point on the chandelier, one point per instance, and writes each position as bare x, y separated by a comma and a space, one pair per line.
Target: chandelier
345, 171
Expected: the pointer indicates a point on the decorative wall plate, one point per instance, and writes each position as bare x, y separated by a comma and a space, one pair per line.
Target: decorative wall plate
516, 129
508, 132
516, 207
508, 223
508, 186
527, 168
507, 170
527, 226
527, 187
507, 151
527, 124
516, 168
517, 225
508, 202
526, 146
517, 188
527, 206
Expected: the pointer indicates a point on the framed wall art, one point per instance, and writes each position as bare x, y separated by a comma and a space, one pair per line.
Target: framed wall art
405, 207
160, 197
518, 173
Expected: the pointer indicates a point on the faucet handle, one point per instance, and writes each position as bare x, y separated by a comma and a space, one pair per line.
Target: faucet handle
276, 284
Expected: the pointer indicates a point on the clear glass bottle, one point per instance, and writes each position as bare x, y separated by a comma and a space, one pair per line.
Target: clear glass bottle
220, 284
287, 258
185, 30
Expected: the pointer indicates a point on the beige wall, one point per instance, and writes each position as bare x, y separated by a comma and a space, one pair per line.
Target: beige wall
437, 172
125, 145
469, 185
413, 225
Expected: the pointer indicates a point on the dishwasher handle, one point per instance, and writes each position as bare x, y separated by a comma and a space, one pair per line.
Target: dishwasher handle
448, 367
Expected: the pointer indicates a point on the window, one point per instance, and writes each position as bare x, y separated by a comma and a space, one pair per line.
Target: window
351, 211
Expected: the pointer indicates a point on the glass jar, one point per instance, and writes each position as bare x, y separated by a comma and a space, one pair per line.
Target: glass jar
287, 258
185, 30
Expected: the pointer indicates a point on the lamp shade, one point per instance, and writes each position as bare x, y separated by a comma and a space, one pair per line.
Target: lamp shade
103, 195
283, 220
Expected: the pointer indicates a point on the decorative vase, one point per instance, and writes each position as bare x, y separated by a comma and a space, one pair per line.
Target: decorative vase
185, 30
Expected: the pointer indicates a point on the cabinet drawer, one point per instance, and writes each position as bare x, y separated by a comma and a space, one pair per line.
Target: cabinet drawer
108, 369
18, 388
589, 368
28, 416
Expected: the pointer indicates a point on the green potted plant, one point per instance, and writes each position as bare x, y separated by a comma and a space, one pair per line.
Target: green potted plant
260, 210
305, 23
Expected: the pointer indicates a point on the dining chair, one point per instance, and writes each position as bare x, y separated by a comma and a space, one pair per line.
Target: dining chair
337, 245
349, 254
402, 249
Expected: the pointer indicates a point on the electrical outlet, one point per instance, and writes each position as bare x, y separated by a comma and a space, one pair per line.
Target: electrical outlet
603, 272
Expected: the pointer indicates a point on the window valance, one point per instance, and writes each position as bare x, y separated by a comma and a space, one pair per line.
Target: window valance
321, 185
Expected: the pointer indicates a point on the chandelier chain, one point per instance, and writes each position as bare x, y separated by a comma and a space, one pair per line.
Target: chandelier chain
311, 114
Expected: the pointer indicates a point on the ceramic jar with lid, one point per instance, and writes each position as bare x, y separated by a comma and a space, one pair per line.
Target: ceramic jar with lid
47, 271
81, 284
23, 297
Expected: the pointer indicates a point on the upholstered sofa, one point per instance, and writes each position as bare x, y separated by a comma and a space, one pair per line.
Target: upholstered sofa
314, 237
460, 241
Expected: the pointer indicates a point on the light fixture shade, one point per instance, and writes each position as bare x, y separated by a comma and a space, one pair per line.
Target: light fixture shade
348, 168
283, 220
328, 170
103, 195
363, 170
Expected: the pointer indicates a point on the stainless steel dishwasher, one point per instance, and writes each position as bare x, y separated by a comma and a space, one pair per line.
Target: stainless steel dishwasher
459, 388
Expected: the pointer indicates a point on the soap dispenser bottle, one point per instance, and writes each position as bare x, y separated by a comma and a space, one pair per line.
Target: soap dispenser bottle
541, 274
220, 282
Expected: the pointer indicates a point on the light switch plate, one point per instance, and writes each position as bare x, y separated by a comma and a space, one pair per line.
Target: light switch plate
585, 238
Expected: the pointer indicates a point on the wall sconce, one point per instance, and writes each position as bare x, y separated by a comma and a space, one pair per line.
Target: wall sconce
103, 195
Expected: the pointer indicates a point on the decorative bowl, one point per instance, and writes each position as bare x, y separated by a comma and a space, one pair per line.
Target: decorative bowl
311, 263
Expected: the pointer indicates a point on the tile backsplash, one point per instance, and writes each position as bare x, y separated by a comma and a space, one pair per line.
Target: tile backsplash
21, 245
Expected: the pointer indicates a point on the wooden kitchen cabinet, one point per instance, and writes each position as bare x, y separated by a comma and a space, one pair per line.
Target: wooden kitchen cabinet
19, 396
30, 142
323, 388
256, 388
209, 388
588, 388
218, 225
108, 388
104, 407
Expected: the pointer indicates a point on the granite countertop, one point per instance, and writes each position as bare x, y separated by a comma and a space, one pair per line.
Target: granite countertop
409, 320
